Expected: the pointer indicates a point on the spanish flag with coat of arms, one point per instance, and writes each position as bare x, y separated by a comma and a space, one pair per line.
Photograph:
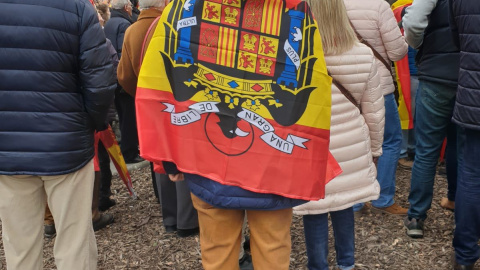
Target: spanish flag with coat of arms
237, 91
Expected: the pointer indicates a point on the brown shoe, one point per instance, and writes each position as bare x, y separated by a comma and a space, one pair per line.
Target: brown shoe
447, 204
363, 210
393, 209
405, 163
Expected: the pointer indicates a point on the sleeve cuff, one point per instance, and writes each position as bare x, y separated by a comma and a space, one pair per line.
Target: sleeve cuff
170, 167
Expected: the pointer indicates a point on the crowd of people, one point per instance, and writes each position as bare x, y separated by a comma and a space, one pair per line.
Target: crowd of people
249, 112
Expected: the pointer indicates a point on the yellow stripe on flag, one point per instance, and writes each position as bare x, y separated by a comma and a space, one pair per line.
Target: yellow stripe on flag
271, 17
401, 3
227, 43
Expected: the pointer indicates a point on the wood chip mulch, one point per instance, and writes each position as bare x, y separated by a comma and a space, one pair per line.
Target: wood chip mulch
137, 239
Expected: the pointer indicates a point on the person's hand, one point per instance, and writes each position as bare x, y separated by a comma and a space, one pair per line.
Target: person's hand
375, 160
176, 177
102, 127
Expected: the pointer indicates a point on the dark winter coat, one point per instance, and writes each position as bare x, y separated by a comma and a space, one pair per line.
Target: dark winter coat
135, 14
55, 85
116, 27
112, 113
232, 197
465, 24
438, 57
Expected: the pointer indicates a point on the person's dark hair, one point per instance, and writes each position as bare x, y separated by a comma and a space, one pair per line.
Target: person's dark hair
134, 3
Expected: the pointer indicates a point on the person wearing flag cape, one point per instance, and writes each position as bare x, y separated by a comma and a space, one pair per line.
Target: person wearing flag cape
234, 97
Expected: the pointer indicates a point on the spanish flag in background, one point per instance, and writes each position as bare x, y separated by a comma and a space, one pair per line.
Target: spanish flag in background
107, 137
238, 92
402, 71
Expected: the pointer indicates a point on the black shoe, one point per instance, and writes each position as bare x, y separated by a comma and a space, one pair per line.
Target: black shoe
49, 231
442, 169
104, 220
137, 159
170, 228
414, 227
457, 266
105, 203
246, 244
187, 232
246, 262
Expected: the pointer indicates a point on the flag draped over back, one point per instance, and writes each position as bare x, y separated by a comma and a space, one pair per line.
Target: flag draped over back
237, 91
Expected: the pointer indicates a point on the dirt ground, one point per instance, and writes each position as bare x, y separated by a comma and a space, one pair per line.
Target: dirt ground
137, 239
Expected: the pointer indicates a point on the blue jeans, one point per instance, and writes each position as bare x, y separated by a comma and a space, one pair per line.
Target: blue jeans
434, 107
451, 159
387, 162
316, 239
408, 135
467, 205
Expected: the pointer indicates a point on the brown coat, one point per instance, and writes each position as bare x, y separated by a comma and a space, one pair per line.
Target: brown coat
129, 66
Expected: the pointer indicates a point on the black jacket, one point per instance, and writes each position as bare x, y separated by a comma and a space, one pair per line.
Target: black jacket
465, 24
116, 27
135, 14
438, 57
55, 85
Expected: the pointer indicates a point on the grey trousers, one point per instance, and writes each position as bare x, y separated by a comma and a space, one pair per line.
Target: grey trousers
177, 207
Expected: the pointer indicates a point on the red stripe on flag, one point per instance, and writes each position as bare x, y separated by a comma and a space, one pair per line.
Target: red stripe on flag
272, 16
279, 18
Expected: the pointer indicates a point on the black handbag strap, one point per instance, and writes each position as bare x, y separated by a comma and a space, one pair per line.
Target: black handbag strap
375, 52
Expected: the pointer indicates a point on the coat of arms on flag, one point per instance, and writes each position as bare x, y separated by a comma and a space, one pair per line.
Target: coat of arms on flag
237, 91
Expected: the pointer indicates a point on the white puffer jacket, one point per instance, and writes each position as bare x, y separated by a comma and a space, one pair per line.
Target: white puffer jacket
354, 137
375, 22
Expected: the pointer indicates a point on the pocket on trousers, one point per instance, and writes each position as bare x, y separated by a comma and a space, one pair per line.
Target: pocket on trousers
438, 96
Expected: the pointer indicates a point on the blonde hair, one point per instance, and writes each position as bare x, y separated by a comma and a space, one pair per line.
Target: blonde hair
103, 11
335, 28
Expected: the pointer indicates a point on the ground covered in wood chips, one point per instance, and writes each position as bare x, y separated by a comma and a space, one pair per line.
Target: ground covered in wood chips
137, 239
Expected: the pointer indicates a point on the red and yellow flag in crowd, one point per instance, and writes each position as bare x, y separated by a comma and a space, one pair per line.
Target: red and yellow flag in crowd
403, 75
107, 137
238, 92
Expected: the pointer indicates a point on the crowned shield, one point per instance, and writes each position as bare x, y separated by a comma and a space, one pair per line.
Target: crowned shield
245, 53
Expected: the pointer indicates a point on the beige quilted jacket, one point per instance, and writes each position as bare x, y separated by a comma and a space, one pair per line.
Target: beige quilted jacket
375, 22
354, 137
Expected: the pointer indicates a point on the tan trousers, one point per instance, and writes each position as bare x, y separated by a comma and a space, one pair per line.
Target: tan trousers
22, 209
95, 201
221, 232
